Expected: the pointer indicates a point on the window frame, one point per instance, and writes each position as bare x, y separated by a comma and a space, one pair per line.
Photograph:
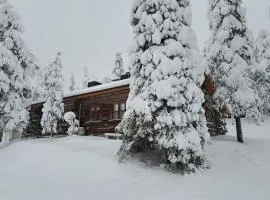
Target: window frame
115, 111
94, 114
122, 110
118, 111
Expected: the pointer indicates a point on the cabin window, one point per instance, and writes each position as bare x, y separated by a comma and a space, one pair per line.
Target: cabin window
122, 110
119, 110
116, 111
94, 113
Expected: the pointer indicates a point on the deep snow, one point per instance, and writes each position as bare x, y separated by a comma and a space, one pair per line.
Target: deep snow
84, 168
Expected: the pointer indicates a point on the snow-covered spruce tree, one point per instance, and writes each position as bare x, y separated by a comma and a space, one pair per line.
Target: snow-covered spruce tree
53, 108
11, 30
118, 68
72, 86
86, 78
16, 117
230, 55
13, 113
164, 123
262, 71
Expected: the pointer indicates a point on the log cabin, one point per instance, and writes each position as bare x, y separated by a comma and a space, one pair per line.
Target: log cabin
101, 107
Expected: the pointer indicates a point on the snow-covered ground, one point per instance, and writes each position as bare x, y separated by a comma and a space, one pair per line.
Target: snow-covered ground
86, 168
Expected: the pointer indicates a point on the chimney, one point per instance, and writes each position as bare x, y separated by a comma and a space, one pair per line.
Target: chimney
125, 76
93, 83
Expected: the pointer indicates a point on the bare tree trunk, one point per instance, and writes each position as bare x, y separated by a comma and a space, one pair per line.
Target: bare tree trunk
239, 130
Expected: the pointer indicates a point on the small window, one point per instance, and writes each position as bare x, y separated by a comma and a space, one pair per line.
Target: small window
123, 106
122, 110
94, 113
116, 111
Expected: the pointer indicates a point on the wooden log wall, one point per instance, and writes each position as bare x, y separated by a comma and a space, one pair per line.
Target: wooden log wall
79, 104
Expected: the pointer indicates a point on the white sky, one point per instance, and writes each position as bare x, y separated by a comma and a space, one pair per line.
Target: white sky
90, 32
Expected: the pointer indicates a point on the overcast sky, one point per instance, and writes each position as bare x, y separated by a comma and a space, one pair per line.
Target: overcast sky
90, 32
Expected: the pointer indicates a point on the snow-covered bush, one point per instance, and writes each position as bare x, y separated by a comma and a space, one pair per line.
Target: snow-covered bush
118, 68
164, 123
70, 118
53, 108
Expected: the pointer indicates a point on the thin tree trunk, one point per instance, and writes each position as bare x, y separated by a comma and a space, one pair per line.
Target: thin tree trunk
239, 130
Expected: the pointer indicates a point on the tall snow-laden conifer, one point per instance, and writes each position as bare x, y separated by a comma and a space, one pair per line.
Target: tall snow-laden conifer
164, 123
17, 63
11, 30
229, 56
13, 113
262, 71
53, 108
72, 86
118, 68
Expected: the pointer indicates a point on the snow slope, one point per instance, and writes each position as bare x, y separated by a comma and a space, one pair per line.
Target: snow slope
84, 168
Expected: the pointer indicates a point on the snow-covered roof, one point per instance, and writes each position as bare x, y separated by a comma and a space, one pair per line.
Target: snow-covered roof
105, 86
